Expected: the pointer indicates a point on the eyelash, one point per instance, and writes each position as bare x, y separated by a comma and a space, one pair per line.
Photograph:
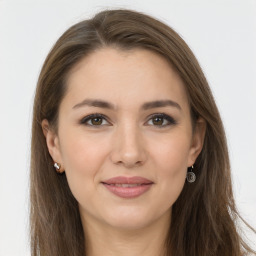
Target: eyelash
170, 120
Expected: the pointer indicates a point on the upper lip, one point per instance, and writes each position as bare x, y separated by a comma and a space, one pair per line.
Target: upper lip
127, 180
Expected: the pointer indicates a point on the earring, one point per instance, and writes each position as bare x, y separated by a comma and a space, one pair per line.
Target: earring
57, 167
191, 177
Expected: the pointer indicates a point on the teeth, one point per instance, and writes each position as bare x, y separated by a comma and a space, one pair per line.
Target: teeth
126, 185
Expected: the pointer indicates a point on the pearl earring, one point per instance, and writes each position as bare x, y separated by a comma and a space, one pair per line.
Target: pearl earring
57, 167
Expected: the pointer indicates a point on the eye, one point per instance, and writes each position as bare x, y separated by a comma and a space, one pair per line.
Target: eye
94, 120
161, 120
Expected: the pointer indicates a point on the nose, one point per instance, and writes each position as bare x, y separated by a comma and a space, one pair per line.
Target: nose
128, 148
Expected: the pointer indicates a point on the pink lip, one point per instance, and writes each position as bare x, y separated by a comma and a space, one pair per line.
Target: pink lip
128, 180
128, 192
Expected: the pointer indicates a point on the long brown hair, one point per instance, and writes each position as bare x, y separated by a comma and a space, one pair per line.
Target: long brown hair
204, 216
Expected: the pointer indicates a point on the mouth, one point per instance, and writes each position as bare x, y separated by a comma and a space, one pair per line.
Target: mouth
128, 187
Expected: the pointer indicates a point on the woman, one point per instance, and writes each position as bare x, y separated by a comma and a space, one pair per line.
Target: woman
129, 155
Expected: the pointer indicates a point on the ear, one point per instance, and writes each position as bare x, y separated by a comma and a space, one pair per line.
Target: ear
197, 141
52, 142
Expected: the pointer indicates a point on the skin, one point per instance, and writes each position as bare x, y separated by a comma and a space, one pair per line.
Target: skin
129, 142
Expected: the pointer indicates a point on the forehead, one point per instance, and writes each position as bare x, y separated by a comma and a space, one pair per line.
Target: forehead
125, 78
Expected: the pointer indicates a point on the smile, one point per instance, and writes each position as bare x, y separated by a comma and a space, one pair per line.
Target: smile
128, 187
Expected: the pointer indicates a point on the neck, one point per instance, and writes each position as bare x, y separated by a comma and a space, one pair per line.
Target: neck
105, 240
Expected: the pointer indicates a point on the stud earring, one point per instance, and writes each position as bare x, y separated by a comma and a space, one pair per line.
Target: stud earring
191, 177
57, 167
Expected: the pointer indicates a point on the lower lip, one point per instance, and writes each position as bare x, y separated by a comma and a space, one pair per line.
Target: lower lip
128, 192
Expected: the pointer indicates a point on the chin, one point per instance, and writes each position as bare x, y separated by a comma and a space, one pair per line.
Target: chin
130, 220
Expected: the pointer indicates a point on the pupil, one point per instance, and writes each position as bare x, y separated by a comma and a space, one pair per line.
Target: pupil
158, 120
96, 121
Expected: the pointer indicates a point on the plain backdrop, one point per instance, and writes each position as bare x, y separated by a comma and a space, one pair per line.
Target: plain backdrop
221, 33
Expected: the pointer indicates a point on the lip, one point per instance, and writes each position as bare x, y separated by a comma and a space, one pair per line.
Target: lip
142, 186
128, 180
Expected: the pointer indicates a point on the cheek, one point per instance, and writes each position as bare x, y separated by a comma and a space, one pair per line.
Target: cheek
171, 162
81, 152
172, 154
82, 159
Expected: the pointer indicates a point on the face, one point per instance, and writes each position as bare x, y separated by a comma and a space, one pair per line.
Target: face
124, 137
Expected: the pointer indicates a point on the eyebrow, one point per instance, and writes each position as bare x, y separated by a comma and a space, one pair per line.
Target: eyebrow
147, 105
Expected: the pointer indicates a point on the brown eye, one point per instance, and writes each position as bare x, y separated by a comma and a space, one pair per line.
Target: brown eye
96, 121
161, 120
158, 120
